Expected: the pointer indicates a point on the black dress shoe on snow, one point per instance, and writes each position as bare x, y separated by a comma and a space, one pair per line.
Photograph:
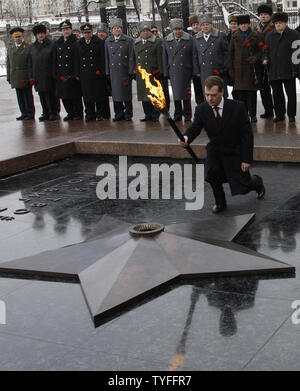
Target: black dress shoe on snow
278, 119
68, 118
118, 119
260, 188
253, 119
145, 119
21, 117
292, 120
219, 208
27, 118
266, 115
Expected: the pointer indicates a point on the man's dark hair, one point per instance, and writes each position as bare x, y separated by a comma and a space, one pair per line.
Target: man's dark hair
212, 81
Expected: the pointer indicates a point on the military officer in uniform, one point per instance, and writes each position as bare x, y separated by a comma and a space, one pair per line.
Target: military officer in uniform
147, 53
67, 86
195, 25
17, 73
40, 67
102, 31
91, 73
210, 51
118, 48
178, 65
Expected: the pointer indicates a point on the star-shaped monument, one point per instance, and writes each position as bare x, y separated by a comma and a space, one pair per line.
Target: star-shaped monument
116, 269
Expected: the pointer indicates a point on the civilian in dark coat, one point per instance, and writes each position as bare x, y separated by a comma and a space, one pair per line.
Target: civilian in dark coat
67, 87
195, 25
41, 73
102, 33
178, 66
230, 147
17, 73
282, 71
244, 52
264, 27
118, 48
232, 20
91, 73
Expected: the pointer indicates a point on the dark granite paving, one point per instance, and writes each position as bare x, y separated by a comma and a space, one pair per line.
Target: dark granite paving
216, 324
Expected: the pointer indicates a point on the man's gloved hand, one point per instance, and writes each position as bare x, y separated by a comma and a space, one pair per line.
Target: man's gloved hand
252, 59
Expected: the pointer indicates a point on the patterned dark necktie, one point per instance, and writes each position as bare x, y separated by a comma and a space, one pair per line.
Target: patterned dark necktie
219, 118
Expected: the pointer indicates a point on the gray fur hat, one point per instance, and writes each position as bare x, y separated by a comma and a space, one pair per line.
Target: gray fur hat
176, 24
115, 22
206, 18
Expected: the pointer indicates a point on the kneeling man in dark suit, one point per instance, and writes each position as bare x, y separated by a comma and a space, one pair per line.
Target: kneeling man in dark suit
230, 147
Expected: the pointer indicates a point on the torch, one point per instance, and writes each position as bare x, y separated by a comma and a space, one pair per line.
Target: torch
158, 100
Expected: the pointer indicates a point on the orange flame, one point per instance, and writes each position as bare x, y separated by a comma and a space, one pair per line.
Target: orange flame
177, 362
156, 95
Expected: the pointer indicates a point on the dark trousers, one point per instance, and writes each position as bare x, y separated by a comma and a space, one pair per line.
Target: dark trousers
150, 111
74, 107
25, 101
198, 90
186, 111
95, 109
250, 100
266, 96
103, 109
49, 103
123, 109
279, 99
165, 86
218, 191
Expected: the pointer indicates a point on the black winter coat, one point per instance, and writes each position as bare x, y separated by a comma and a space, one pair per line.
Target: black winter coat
40, 65
64, 65
230, 142
91, 69
279, 54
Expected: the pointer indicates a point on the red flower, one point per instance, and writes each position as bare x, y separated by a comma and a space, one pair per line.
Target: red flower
124, 78
125, 84
32, 81
261, 44
233, 32
269, 28
216, 72
266, 47
155, 72
63, 79
98, 73
22, 83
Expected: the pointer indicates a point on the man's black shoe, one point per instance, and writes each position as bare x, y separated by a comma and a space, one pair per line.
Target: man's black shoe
266, 115
77, 118
88, 119
278, 119
21, 117
68, 118
145, 119
54, 117
219, 208
43, 118
27, 118
260, 188
118, 119
292, 119
253, 119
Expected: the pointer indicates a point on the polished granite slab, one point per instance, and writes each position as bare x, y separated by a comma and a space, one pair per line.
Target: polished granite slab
232, 323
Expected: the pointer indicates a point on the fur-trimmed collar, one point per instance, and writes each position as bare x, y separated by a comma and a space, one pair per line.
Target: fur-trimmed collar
214, 33
152, 39
122, 37
185, 37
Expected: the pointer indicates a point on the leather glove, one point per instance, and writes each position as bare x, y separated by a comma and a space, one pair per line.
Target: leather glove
252, 59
